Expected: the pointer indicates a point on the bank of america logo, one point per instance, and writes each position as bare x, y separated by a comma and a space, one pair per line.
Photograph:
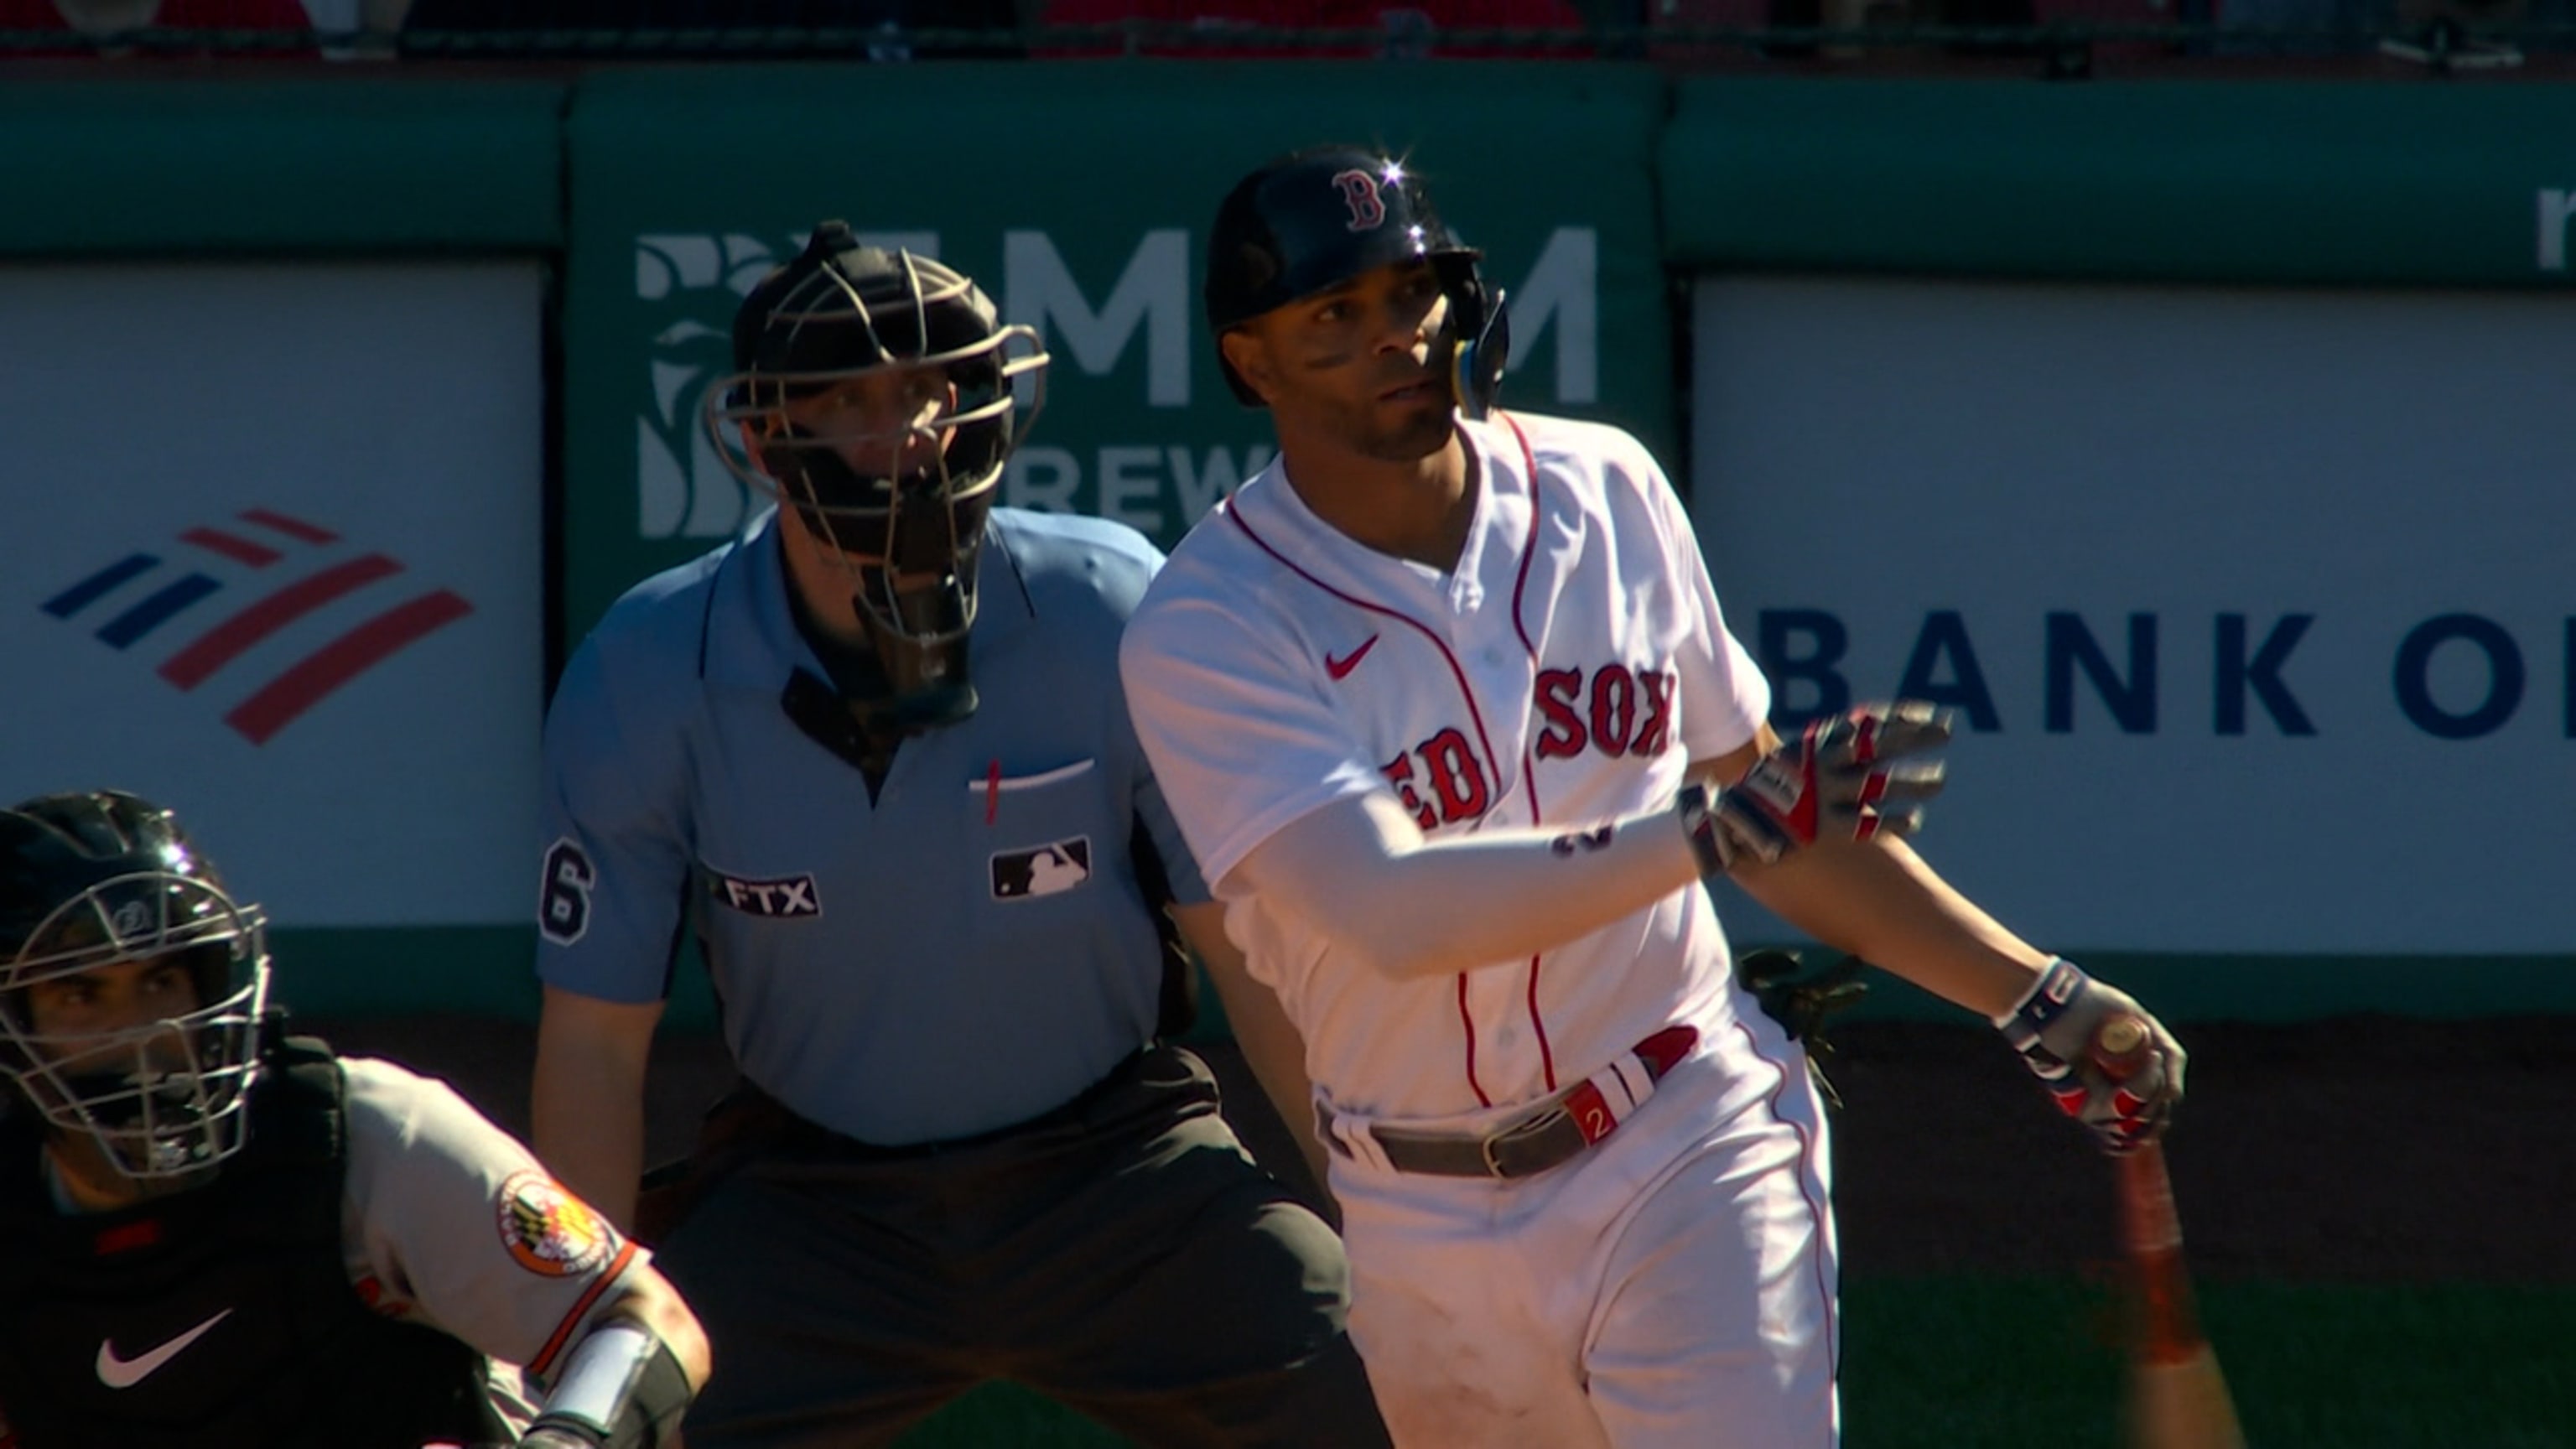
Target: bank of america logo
287, 570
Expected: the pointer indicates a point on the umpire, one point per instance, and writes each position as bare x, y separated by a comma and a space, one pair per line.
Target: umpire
928, 897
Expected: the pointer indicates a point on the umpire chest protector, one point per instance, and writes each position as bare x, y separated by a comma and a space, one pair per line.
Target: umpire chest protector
223, 1317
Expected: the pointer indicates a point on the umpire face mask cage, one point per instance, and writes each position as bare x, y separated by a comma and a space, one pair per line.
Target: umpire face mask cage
878, 395
93, 881
1316, 218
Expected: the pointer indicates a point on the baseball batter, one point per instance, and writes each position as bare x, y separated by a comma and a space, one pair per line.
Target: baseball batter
875, 754
1449, 712
223, 1238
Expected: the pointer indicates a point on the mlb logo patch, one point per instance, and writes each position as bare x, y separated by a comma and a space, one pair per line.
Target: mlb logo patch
1043, 870
793, 896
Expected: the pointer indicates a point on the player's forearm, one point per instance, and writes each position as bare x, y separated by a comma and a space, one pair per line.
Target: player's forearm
587, 1112
649, 1299
1882, 902
1277, 1056
1269, 1041
1360, 874
630, 1376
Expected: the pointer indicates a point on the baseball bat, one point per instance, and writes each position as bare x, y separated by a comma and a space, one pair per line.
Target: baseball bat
2177, 1398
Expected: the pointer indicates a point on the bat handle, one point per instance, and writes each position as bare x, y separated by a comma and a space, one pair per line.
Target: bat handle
2150, 1227
2122, 1047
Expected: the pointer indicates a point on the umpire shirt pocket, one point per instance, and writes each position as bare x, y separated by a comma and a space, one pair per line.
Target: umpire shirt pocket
1046, 829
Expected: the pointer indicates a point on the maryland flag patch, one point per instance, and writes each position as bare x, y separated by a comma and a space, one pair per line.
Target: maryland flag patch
550, 1231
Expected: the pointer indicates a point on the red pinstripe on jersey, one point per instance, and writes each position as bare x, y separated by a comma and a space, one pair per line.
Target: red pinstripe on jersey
1529, 766
1458, 673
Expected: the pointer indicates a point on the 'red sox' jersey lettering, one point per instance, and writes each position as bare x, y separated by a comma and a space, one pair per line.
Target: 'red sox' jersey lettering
1623, 711
1451, 773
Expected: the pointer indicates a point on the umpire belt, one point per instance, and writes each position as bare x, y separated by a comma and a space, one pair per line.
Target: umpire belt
1546, 1136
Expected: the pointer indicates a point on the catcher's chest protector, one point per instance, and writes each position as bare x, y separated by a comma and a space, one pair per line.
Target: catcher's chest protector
222, 1318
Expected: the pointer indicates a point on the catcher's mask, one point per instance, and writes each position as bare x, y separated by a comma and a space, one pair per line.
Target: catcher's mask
1316, 218
878, 395
100, 880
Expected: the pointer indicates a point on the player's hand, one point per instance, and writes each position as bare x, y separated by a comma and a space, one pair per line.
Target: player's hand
1849, 777
2124, 1105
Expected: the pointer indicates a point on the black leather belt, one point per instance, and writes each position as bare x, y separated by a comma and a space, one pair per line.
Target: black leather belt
1547, 1137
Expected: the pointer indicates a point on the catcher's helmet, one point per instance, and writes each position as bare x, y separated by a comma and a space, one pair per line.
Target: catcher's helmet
1315, 218
89, 879
835, 312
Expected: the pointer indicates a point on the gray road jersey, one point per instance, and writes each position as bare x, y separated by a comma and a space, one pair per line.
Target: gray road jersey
449, 1221
970, 949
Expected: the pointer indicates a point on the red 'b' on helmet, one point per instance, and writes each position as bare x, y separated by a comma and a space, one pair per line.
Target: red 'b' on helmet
1316, 218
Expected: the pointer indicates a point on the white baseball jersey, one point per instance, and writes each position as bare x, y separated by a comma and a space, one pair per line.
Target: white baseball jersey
1563, 675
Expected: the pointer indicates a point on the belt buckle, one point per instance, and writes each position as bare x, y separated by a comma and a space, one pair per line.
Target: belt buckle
1529, 1126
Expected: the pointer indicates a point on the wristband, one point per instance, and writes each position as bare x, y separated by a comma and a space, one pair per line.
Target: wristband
621, 1388
1701, 826
2057, 984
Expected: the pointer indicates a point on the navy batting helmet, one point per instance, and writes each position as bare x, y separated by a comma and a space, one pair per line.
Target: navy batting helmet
1316, 218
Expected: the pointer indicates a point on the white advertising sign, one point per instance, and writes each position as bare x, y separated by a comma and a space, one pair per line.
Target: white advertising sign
272, 556
2257, 609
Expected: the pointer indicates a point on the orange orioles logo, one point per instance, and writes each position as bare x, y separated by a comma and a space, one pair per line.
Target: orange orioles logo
550, 1231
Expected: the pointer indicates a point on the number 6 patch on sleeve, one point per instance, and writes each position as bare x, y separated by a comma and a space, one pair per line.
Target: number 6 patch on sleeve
563, 903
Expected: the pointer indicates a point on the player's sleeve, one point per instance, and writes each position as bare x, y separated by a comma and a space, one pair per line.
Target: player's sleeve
1722, 698
456, 1226
1239, 740
613, 836
1154, 817
1125, 577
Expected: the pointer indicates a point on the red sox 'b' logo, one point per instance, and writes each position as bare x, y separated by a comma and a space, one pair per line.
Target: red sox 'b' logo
1359, 193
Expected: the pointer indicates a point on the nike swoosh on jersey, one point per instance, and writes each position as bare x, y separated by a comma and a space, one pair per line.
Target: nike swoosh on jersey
125, 1373
1341, 668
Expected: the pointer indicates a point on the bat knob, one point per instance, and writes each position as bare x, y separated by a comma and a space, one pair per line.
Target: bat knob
2122, 1046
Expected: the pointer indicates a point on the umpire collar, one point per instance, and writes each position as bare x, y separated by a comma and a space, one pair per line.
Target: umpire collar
752, 641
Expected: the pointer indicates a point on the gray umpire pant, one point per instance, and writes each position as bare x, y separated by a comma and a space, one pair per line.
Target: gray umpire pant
1122, 1255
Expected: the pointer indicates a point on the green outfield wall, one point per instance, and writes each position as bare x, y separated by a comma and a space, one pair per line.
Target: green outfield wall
397, 166
1078, 195
1079, 191
2282, 183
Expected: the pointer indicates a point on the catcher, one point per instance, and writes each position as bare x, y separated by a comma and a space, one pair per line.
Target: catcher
222, 1237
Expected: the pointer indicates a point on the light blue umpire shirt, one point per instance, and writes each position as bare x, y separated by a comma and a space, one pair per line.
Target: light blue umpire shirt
969, 950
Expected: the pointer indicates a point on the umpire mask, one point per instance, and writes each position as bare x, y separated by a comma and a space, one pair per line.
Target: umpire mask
878, 395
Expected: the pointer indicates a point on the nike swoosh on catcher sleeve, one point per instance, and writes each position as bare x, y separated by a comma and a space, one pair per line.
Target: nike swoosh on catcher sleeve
125, 1373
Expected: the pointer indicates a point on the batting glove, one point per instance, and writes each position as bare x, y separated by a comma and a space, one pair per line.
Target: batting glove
1835, 781
2124, 1103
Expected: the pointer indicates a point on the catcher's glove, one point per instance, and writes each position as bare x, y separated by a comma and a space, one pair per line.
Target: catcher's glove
1802, 1003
